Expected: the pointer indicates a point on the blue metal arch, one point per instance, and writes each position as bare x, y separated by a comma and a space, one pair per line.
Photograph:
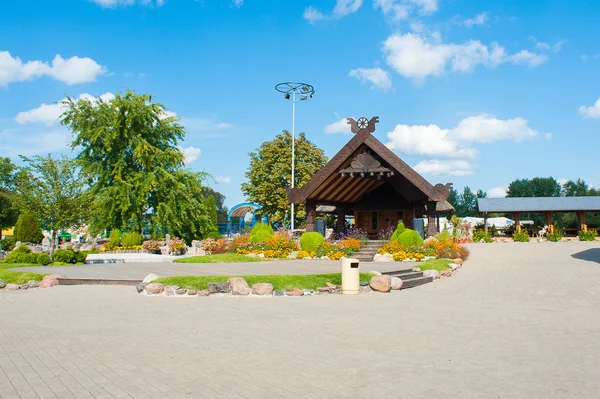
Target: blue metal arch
241, 205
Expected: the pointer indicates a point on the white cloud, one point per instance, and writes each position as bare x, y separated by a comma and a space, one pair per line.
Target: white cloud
118, 3
486, 128
238, 3
416, 57
478, 19
49, 114
497, 192
342, 9
428, 140
340, 126
401, 9
312, 15
436, 167
592, 111
223, 179
548, 136
71, 71
378, 77
556, 47
190, 154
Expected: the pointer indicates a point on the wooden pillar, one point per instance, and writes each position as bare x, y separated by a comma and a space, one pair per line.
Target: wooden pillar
517, 216
485, 229
581, 226
437, 221
431, 228
549, 223
311, 216
340, 226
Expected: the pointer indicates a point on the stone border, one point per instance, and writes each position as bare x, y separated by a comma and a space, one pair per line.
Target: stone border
50, 280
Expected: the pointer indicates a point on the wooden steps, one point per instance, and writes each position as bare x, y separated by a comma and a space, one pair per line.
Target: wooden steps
410, 279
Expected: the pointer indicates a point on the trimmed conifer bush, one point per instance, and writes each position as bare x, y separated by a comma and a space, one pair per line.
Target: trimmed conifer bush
114, 239
260, 232
131, 239
44, 259
399, 230
309, 242
409, 237
20, 255
28, 229
65, 256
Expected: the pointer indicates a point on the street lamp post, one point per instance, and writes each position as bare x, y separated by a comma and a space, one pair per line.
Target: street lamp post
289, 90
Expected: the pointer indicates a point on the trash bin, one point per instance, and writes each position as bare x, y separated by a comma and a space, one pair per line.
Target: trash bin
419, 226
320, 227
350, 276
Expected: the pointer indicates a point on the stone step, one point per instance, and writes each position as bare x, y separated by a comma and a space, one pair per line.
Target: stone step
415, 282
406, 276
95, 281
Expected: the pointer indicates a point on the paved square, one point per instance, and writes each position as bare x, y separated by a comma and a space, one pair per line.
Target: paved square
517, 321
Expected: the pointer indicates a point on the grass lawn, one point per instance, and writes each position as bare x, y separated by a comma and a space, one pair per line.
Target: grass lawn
10, 277
220, 258
435, 264
280, 282
4, 266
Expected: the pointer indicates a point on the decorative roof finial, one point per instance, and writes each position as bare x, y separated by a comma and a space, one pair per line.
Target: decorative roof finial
363, 124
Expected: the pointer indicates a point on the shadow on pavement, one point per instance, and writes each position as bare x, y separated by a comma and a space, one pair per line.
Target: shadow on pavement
591, 255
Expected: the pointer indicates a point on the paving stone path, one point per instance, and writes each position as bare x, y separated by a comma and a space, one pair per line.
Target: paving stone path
517, 321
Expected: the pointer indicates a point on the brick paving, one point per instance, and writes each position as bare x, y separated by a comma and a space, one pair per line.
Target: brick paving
517, 321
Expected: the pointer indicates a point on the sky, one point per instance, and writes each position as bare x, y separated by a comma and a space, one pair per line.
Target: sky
476, 93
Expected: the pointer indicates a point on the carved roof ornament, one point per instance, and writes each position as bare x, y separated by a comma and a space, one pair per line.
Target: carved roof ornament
363, 124
366, 165
443, 189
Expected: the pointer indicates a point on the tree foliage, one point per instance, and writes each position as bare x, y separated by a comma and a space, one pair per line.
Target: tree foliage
27, 228
8, 213
465, 204
536, 187
52, 190
130, 157
270, 171
222, 210
211, 209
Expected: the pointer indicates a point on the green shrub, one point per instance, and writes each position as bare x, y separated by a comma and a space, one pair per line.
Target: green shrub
521, 236
479, 235
556, 236
80, 256
114, 239
261, 232
8, 244
18, 255
215, 235
589, 235
29, 258
399, 230
309, 242
443, 236
409, 237
44, 259
130, 239
28, 229
65, 256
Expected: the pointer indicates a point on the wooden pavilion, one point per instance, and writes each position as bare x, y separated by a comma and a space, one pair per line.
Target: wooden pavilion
368, 181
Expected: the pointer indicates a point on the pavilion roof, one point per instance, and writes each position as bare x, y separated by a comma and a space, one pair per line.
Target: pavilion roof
539, 204
334, 182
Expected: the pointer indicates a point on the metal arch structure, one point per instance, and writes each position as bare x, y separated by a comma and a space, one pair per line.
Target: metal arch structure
240, 210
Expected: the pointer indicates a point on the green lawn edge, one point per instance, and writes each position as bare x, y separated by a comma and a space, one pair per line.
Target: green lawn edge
435, 264
219, 258
4, 266
280, 282
10, 277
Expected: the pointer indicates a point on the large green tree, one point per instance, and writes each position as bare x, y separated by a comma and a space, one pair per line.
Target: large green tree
219, 198
8, 213
270, 172
53, 191
130, 158
465, 204
536, 187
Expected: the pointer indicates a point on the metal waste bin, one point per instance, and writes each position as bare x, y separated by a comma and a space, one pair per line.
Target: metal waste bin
350, 276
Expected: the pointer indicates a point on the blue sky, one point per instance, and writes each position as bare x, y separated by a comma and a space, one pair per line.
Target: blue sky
474, 93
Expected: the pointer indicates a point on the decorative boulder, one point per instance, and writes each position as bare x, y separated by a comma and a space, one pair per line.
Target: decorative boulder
458, 261
51, 280
2, 284
219, 288
325, 257
33, 283
431, 273
446, 273
165, 250
170, 290
239, 286
150, 278
155, 289
396, 283
203, 293
381, 283
375, 272
453, 266
12, 287
261, 255
181, 291
295, 292
191, 292
24, 286
262, 289
416, 269
139, 287
383, 258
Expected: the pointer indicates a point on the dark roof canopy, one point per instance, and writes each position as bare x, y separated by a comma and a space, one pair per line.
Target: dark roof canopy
342, 179
539, 204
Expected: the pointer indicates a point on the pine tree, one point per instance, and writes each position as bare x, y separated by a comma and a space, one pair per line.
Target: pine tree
28, 229
211, 208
